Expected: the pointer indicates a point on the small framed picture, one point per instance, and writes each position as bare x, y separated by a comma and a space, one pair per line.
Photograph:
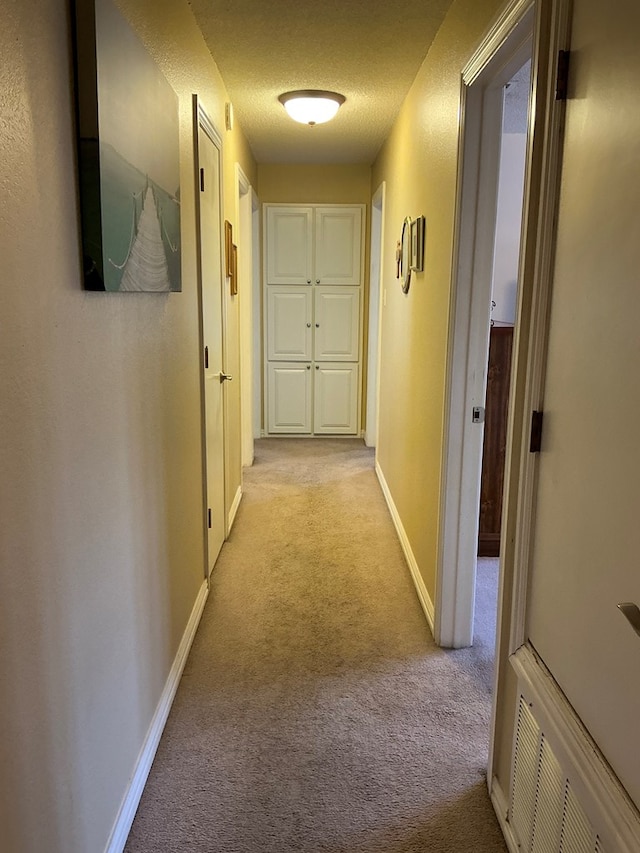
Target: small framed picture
228, 248
417, 244
233, 277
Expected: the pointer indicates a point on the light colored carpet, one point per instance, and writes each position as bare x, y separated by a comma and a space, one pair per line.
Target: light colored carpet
315, 713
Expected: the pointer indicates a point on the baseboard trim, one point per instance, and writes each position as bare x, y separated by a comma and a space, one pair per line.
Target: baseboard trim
234, 509
501, 807
131, 799
421, 589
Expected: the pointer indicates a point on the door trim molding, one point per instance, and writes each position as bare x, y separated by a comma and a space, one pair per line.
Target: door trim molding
201, 120
374, 315
506, 47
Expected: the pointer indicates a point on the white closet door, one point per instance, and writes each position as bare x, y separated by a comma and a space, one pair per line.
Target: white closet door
335, 399
290, 397
289, 245
289, 323
337, 323
338, 242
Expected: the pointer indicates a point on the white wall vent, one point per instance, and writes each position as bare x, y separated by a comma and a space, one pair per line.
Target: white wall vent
545, 813
564, 797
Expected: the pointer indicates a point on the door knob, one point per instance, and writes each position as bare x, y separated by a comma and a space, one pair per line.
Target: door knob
308, 325
225, 377
308, 281
317, 281
317, 325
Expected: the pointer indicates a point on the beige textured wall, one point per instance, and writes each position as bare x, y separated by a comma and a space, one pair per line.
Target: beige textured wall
100, 530
419, 162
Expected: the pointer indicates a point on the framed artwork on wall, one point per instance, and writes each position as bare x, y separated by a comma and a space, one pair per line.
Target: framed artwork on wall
128, 157
228, 248
417, 244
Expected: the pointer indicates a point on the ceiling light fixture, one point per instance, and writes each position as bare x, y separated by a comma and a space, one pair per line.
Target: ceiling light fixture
311, 106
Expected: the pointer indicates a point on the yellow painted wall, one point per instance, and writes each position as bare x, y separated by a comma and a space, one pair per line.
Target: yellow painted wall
418, 163
101, 533
316, 184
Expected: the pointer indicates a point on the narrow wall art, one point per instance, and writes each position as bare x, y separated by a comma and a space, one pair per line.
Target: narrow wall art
128, 153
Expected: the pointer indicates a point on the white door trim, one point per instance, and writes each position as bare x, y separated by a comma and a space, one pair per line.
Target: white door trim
201, 120
257, 315
502, 53
244, 240
375, 314
454, 581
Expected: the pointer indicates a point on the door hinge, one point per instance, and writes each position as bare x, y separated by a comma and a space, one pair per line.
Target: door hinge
562, 78
206, 357
209, 518
535, 442
201, 180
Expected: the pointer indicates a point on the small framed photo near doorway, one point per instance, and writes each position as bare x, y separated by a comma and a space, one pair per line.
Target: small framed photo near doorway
417, 243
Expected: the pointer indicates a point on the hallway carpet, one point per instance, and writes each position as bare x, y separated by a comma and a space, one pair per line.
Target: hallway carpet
315, 713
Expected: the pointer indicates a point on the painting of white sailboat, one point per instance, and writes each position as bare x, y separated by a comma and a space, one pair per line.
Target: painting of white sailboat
131, 183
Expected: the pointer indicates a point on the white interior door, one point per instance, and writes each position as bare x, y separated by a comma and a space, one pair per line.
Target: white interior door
212, 323
337, 323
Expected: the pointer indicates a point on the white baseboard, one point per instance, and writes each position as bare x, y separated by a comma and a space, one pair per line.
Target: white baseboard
421, 589
234, 509
131, 799
501, 808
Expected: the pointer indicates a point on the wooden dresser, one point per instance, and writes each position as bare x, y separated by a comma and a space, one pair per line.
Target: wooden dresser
495, 440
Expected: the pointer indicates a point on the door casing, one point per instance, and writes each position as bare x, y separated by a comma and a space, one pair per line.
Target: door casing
210, 276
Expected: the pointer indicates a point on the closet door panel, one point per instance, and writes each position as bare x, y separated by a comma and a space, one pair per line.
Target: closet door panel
289, 323
337, 324
335, 399
289, 245
338, 246
290, 387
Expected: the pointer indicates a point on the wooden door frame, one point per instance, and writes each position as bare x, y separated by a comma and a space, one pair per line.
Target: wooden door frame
201, 121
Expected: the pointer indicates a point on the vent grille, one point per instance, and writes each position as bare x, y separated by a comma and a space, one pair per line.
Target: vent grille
545, 813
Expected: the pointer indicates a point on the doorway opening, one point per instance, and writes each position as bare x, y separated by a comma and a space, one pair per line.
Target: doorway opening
497, 62
503, 316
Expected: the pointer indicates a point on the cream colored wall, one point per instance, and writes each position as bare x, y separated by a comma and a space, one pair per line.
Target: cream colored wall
418, 163
101, 526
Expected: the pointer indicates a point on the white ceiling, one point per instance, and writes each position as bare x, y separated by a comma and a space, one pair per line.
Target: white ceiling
368, 50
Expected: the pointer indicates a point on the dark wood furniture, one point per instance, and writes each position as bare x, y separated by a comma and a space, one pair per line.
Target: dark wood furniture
495, 440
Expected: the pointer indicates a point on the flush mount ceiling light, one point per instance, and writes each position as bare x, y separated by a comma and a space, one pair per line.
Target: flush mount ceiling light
311, 106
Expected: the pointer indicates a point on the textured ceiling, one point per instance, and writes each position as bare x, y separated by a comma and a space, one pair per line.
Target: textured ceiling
368, 50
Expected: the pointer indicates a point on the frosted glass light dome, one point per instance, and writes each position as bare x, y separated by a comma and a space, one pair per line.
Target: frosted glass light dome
311, 106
